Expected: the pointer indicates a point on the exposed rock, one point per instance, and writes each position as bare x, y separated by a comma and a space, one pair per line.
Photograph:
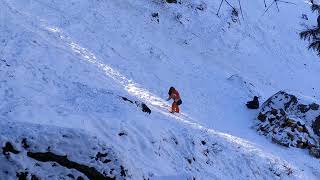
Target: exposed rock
71, 176
303, 108
145, 108
290, 121
201, 6
9, 148
24, 143
280, 142
314, 106
142, 105
254, 104
302, 145
22, 175
101, 155
290, 136
107, 161
300, 128
262, 117
80, 178
274, 112
123, 171
304, 16
90, 172
189, 160
126, 99
171, 1
34, 177
203, 142
122, 134
315, 152
316, 126
156, 16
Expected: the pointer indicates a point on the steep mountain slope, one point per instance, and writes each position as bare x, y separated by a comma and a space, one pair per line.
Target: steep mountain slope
65, 64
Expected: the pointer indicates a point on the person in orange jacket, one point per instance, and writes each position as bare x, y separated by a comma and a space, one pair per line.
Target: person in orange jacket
174, 94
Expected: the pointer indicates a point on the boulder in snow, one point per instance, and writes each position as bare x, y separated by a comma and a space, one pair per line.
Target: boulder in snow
291, 121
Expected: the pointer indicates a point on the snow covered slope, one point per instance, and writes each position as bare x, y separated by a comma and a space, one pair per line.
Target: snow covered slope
65, 64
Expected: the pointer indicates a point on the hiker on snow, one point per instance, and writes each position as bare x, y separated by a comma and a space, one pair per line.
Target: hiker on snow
174, 94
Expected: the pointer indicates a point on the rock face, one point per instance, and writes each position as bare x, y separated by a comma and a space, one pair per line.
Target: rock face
171, 1
143, 106
291, 121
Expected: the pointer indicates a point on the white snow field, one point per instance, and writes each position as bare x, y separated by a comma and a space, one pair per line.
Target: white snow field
64, 64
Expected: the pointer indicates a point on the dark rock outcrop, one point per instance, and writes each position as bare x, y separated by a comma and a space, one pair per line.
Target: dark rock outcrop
254, 104
171, 1
22, 175
90, 172
290, 121
9, 148
316, 126
142, 105
315, 152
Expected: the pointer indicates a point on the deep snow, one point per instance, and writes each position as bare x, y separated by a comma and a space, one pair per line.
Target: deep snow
64, 63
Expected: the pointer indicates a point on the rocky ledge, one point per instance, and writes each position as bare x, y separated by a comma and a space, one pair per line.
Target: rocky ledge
291, 121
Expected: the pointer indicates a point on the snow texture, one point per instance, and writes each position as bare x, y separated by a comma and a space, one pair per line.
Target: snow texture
65, 64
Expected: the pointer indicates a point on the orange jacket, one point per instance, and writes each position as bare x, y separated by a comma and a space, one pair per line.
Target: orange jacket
175, 95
